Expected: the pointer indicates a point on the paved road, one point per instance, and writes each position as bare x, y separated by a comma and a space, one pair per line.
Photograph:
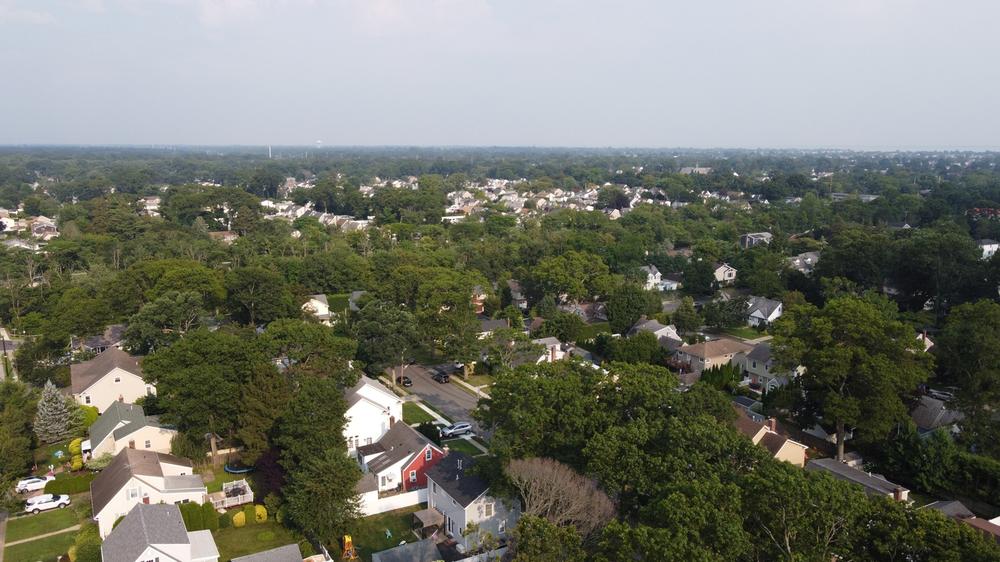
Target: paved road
448, 398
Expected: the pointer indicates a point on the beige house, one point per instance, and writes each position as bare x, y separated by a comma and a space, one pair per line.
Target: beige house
111, 376
124, 426
146, 477
725, 274
766, 435
318, 306
705, 355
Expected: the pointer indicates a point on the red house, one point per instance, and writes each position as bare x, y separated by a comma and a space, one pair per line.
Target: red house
399, 461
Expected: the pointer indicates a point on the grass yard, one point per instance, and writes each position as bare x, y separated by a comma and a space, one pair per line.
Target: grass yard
42, 550
463, 446
480, 380
219, 477
590, 331
46, 522
44, 456
745, 332
369, 533
415, 414
254, 537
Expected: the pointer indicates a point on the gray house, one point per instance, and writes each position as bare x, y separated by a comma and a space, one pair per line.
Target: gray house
157, 532
461, 497
873, 484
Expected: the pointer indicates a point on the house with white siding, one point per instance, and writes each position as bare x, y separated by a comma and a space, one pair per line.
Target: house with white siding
112, 376
372, 409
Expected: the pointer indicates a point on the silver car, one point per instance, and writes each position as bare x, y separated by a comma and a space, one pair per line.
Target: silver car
455, 429
33, 483
46, 502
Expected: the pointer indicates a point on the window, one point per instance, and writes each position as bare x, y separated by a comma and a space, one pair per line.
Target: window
118, 379
132, 493
434, 487
754, 364
502, 527
148, 444
429, 454
488, 510
413, 476
384, 481
86, 399
368, 440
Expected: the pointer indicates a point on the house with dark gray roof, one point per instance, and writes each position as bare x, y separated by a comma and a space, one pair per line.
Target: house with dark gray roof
932, 413
157, 532
462, 498
136, 477
765, 375
125, 425
425, 550
112, 336
873, 484
111, 376
762, 311
287, 553
400, 459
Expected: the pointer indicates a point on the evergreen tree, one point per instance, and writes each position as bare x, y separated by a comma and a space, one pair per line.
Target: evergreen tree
55, 418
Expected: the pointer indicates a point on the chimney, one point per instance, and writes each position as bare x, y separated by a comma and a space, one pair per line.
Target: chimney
772, 424
552, 354
897, 494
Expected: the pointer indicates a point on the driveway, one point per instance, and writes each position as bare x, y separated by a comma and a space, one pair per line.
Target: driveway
448, 397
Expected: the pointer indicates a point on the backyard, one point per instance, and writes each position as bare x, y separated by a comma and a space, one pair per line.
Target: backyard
254, 537
54, 454
369, 534
215, 477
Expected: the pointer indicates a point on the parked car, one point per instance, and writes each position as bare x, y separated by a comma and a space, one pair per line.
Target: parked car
404, 381
440, 377
456, 429
45, 502
33, 484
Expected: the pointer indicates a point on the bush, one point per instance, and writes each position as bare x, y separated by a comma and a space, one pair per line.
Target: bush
71, 553
76, 464
210, 516
239, 520
90, 415
70, 485
87, 544
75, 446
260, 513
430, 431
225, 520
100, 463
193, 515
249, 513
273, 504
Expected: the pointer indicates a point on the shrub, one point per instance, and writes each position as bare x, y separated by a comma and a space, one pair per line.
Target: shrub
192, 514
225, 520
188, 447
75, 446
260, 513
90, 415
210, 516
249, 513
101, 462
71, 553
239, 520
76, 464
87, 544
70, 484
273, 504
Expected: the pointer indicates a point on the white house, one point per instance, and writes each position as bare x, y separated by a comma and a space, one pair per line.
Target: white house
654, 327
157, 533
111, 376
755, 239
125, 425
725, 274
136, 476
399, 461
462, 499
762, 311
653, 278
318, 306
371, 410
988, 247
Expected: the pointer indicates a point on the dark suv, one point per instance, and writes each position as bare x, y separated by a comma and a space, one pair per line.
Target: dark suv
440, 377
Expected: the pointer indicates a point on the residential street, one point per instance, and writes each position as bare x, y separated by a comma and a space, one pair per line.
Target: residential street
448, 398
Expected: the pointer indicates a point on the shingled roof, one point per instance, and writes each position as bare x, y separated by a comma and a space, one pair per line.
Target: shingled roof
143, 526
85, 374
400, 442
132, 415
128, 463
453, 475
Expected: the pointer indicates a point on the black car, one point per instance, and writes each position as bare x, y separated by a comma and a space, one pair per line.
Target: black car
404, 381
440, 377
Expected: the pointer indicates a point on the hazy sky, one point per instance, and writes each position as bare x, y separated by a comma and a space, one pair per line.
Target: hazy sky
658, 73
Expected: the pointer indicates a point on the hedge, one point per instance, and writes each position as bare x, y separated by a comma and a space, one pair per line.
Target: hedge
250, 513
70, 485
210, 517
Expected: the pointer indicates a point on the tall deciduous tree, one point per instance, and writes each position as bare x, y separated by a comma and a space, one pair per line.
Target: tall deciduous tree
860, 364
257, 295
386, 334
163, 321
627, 303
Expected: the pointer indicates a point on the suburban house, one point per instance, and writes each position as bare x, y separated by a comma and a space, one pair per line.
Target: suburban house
873, 484
957, 511
425, 550
488, 325
517, 297
461, 498
666, 335
479, 297
804, 263
125, 425
750, 407
701, 356
766, 435
157, 532
671, 282
400, 459
371, 410
589, 312
147, 477
318, 306
150, 205
752, 239
111, 337
762, 311
287, 553
988, 247
758, 365
227, 237
111, 376
724, 273
653, 278
932, 414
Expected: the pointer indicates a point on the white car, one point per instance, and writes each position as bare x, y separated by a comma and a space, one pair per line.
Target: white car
33, 483
455, 429
45, 502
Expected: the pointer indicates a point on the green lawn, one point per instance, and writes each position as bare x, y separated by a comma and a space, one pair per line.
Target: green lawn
369, 533
415, 414
745, 332
220, 477
480, 380
42, 550
254, 537
463, 446
591, 330
44, 456
46, 522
